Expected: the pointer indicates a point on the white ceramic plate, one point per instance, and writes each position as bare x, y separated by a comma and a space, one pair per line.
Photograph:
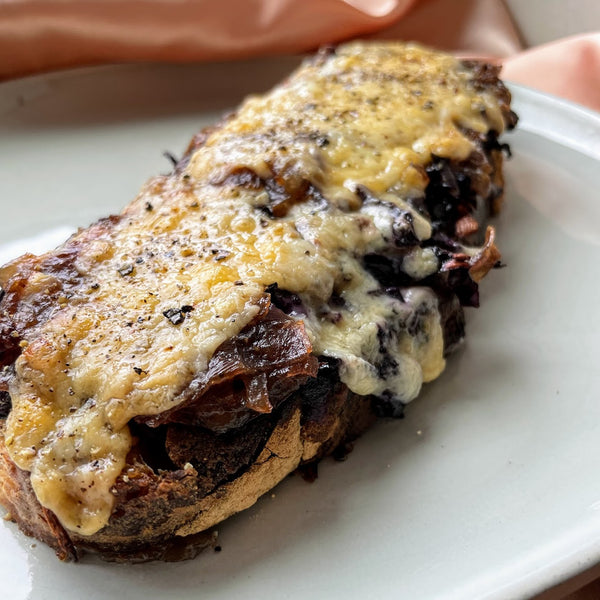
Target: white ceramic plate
490, 488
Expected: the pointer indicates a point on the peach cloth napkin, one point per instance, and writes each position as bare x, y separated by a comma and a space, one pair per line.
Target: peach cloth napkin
40, 35
569, 68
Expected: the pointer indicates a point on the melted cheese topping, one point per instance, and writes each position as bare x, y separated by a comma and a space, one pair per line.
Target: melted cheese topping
122, 346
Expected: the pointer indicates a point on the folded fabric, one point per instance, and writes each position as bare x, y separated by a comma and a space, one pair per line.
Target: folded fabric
569, 68
41, 35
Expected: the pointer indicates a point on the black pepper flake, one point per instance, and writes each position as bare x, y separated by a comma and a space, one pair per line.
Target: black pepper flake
139, 260
149, 207
125, 270
95, 286
218, 548
174, 315
222, 255
238, 282
139, 371
177, 315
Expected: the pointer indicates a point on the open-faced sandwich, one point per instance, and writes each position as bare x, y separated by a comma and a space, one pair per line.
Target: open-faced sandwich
303, 270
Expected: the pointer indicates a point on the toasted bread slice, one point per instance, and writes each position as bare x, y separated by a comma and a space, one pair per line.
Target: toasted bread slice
303, 269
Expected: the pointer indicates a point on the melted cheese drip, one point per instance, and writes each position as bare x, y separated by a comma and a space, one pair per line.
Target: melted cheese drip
369, 116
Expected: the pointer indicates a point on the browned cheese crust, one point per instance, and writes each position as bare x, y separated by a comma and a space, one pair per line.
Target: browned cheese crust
269, 395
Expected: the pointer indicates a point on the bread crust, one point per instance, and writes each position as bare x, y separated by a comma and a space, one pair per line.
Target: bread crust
167, 515
17, 496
